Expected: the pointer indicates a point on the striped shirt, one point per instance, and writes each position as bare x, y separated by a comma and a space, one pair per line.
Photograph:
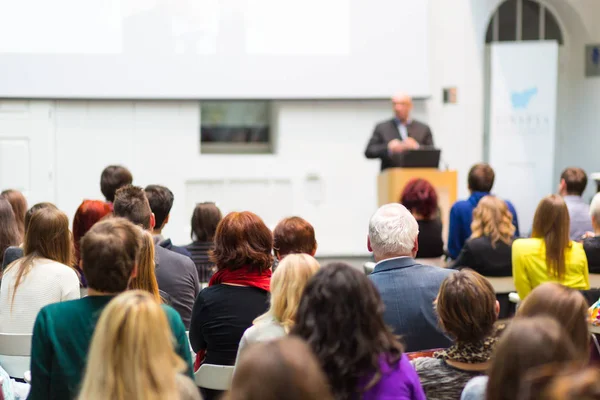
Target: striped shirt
199, 251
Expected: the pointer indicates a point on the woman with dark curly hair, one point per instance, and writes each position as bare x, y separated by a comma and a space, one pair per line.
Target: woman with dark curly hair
420, 198
341, 318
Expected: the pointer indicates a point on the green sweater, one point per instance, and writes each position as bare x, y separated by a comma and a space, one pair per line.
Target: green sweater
61, 337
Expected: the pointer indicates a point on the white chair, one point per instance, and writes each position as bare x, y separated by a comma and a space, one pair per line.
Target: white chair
187, 333
216, 377
15, 352
368, 267
83, 292
502, 284
594, 281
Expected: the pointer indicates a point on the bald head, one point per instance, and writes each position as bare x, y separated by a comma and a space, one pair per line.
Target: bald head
402, 106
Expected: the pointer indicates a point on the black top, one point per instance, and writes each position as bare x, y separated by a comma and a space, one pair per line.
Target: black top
592, 252
479, 255
220, 316
199, 252
431, 244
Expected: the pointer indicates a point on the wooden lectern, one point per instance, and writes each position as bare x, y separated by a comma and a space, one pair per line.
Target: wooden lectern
391, 182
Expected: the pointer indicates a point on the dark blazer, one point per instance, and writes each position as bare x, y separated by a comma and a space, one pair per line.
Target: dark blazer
592, 252
408, 290
177, 276
387, 131
479, 255
168, 244
431, 244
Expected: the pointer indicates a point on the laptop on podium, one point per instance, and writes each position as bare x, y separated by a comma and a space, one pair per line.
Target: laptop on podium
421, 158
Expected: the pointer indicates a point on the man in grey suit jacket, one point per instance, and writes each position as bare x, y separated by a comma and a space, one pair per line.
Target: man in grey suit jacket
398, 134
408, 289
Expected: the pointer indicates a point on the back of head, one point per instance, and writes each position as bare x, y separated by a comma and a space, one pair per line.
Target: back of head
88, 213
9, 232
131, 203
205, 219
595, 209
294, 235
337, 300
527, 343
161, 201
573, 384
551, 222
19, 206
575, 181
393, 232
466, 306
131, 356
481, 178
568, 306
109, 253
242, 239
145, 279
34, 208
287, 284
48, 236
281, 369
491, 218
114, 177
419, 196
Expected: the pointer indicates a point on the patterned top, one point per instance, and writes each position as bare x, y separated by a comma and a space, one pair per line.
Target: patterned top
199, 251
441, 381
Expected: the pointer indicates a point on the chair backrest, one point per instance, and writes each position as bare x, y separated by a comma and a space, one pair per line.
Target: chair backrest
502, 284
216, 377
368, 267
594, 281
15, 350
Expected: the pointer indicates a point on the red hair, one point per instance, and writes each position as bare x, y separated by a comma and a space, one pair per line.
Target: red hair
294, 235
419, 196
88, 213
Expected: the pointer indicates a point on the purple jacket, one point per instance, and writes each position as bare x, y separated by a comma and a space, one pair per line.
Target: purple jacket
398, 382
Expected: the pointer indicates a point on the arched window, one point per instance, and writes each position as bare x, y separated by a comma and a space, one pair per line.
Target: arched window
517, 20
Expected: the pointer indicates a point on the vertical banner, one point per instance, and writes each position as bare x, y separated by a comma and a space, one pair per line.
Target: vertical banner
522, 123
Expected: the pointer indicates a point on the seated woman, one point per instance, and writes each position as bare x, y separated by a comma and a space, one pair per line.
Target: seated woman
591, 244
468, 311
287, 284
549, 255
236, 294
9, 231
294, 235
420, 198
488, 250
43, 276
527, 343
341, 318
131, 356
205, 219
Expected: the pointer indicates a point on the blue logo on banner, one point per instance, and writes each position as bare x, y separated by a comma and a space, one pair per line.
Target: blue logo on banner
520, 100
596, 56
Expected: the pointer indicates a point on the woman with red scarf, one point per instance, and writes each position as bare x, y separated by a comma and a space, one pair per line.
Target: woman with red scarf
236, 294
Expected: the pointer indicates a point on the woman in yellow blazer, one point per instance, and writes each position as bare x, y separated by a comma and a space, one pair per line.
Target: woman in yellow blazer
549, 255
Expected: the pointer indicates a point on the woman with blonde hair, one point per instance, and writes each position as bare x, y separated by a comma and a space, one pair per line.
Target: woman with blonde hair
131, 355
287, 284
549, 255
145, 278
43, 276
488, 250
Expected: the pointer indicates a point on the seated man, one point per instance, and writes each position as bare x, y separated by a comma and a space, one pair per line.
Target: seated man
114, 177
176, 274
63, 331
161, 201
294, 235
481, 180
408, 289
572, 185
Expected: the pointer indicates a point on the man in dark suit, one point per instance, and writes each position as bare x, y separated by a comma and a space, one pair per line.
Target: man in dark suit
398, 134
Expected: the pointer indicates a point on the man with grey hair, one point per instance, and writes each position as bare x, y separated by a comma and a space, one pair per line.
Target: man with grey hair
408, 289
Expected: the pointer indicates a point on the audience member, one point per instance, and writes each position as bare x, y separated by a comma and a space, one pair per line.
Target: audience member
176, 274
236, 294
145, 277
467, 310
88, 213
488, 250
19, 205
161, 201
420, 198
341, 318
567, 306
63, 331
549, 255
204, 223
276, 370
43, 276
561, 382
13, 253
407, 288
591, 244
294, 235
114, 177
130, 356
572, 185
480, 181
9, 231
287, 284
527, 343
